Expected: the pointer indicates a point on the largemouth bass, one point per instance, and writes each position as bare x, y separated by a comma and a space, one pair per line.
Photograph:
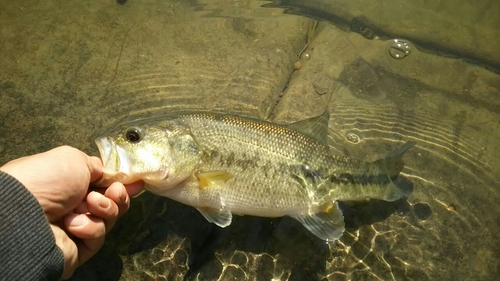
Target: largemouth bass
224, 164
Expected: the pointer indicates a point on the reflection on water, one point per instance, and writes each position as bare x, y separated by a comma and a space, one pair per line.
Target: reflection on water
414, 21
70, 70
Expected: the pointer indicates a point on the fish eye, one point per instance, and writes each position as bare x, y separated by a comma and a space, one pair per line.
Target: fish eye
133, 135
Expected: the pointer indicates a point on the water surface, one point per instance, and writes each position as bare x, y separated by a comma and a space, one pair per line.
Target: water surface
422, 71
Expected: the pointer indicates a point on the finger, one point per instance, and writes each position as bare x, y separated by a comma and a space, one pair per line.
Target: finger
118, 193
88, 248
97, 189
104, 208
82, 208
95, 167
69, 249
91, 232
134, 188
84, 226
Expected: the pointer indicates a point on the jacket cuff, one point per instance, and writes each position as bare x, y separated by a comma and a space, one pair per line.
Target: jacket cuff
28, 249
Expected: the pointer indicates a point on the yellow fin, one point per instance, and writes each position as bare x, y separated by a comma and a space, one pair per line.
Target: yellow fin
327, 207
212, 178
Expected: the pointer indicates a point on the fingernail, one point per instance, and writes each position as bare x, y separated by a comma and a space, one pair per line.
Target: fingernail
103, 202
78, 220
123, 195
120, 194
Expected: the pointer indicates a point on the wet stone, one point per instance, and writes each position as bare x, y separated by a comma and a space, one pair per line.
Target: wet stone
160, 278
297, 65
337, 277
422, 211
358, 25
360, 250
382, 244
362, 80
239, 259
451, 208
213, 271
370, 258
266, 268
381, 269
368, 33
322, 85
157, 255
234, 273
180, 257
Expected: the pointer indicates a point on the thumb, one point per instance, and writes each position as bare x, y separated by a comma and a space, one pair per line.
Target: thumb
95, 168
69, 249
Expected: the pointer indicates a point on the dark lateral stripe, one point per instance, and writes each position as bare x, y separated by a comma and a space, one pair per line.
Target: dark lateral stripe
346, 178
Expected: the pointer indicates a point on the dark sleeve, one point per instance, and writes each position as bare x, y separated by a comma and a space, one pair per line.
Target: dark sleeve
28, 249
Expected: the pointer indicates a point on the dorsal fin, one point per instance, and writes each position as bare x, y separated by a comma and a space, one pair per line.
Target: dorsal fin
315, 127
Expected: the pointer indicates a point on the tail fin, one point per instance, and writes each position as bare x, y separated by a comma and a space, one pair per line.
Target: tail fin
392, 164
399, 188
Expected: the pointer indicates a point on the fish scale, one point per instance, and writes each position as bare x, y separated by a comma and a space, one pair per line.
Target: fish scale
223, 164
253, 144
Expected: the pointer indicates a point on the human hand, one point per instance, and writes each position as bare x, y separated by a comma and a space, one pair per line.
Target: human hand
59, 179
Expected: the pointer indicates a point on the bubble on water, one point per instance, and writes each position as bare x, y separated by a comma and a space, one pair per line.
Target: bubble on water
306, 56
399, 49
352, 137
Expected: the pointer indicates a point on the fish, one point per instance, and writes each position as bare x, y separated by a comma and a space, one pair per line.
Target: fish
223, 164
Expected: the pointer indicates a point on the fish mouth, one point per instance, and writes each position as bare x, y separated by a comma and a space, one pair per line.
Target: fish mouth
105, 147
114, 169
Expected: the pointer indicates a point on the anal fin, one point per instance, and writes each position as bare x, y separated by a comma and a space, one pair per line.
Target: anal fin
327, 224
221, 217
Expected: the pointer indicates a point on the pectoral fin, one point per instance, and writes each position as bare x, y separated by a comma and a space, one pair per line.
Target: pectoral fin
221, 217
212, 178
327, 224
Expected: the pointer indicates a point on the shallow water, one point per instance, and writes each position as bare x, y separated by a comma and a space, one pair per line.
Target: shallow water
69, 69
